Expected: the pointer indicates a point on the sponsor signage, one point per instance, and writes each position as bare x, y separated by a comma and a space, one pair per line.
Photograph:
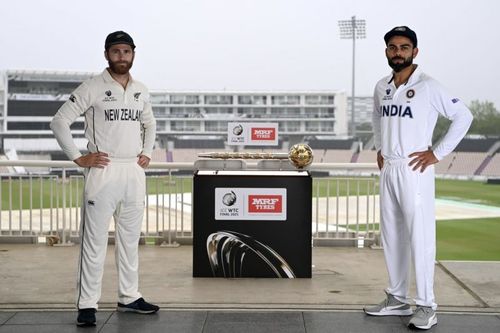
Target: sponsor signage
255, 134
250, 204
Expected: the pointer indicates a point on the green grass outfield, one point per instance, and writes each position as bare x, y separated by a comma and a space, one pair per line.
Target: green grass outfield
469, 191
467, 239
47, 192
476, 239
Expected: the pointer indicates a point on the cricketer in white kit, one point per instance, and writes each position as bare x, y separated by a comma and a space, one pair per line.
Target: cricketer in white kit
120, 129
407, 104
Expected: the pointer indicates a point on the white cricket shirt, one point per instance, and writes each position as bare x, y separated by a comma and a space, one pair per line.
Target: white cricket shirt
404, 117
118, 121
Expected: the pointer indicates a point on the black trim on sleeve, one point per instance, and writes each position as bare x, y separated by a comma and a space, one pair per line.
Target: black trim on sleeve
93, 127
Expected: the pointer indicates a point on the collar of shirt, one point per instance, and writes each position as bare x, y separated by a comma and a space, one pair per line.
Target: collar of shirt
109, 79
414, 77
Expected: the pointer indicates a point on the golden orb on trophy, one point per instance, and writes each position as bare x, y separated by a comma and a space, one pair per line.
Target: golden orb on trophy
300, 155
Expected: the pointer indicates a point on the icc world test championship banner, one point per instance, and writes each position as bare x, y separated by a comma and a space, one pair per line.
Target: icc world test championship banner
252, 224
253, 134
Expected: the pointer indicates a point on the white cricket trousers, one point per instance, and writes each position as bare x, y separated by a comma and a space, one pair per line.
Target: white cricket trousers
408, 220
117, 191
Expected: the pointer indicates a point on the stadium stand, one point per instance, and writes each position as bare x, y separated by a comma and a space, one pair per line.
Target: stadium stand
190, 154
159, 155
331, 144
336, 156
367, 156
461, 163
475, 145
200, 143
493, 167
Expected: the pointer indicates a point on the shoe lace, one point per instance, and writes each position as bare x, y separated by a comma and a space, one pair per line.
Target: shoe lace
385, 302
389, 299
423, 310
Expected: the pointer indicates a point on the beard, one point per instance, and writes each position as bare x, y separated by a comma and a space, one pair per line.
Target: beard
398, 67
120, 67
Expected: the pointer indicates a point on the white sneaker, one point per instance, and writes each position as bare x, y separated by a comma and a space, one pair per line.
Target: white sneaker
391, 306
424, 318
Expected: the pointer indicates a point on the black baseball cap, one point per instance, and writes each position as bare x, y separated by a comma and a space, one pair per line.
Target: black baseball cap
401, 31
118, 37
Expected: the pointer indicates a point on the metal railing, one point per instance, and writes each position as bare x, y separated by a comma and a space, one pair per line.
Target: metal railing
46, 207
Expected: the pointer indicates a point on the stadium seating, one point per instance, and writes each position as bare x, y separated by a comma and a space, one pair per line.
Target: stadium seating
460, 163
336, 156
367, 156
159, 155
493, 167
190, 154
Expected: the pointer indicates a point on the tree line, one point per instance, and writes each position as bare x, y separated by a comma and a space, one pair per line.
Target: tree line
486, 121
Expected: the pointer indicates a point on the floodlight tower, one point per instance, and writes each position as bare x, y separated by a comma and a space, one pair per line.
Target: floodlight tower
353, 29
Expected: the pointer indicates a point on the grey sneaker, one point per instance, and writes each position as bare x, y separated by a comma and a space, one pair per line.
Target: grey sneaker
424, 318
389, 307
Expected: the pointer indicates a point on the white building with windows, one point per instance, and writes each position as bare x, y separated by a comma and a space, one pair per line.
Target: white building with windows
29, 99
297, 113
364, 109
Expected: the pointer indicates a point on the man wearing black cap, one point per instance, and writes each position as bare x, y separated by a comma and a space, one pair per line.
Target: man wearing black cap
407, 104
120, 129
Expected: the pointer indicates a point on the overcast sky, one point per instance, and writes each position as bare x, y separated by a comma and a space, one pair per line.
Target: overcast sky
258, 44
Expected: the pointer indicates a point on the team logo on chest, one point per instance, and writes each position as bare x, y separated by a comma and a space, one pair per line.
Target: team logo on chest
136, 96
388, 96
109, 97
410, 93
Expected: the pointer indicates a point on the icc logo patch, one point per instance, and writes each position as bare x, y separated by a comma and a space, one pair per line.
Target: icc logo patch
410, 93
108, 93
237, 130
229, 199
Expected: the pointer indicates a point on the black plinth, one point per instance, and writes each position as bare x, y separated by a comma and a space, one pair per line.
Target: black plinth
252, 224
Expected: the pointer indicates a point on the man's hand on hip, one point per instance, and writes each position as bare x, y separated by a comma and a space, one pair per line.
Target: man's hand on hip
380, 160
422, 160
93, 160
143, 161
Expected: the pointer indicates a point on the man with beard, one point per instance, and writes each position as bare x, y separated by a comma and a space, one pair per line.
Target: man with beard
120, 129
407, 104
